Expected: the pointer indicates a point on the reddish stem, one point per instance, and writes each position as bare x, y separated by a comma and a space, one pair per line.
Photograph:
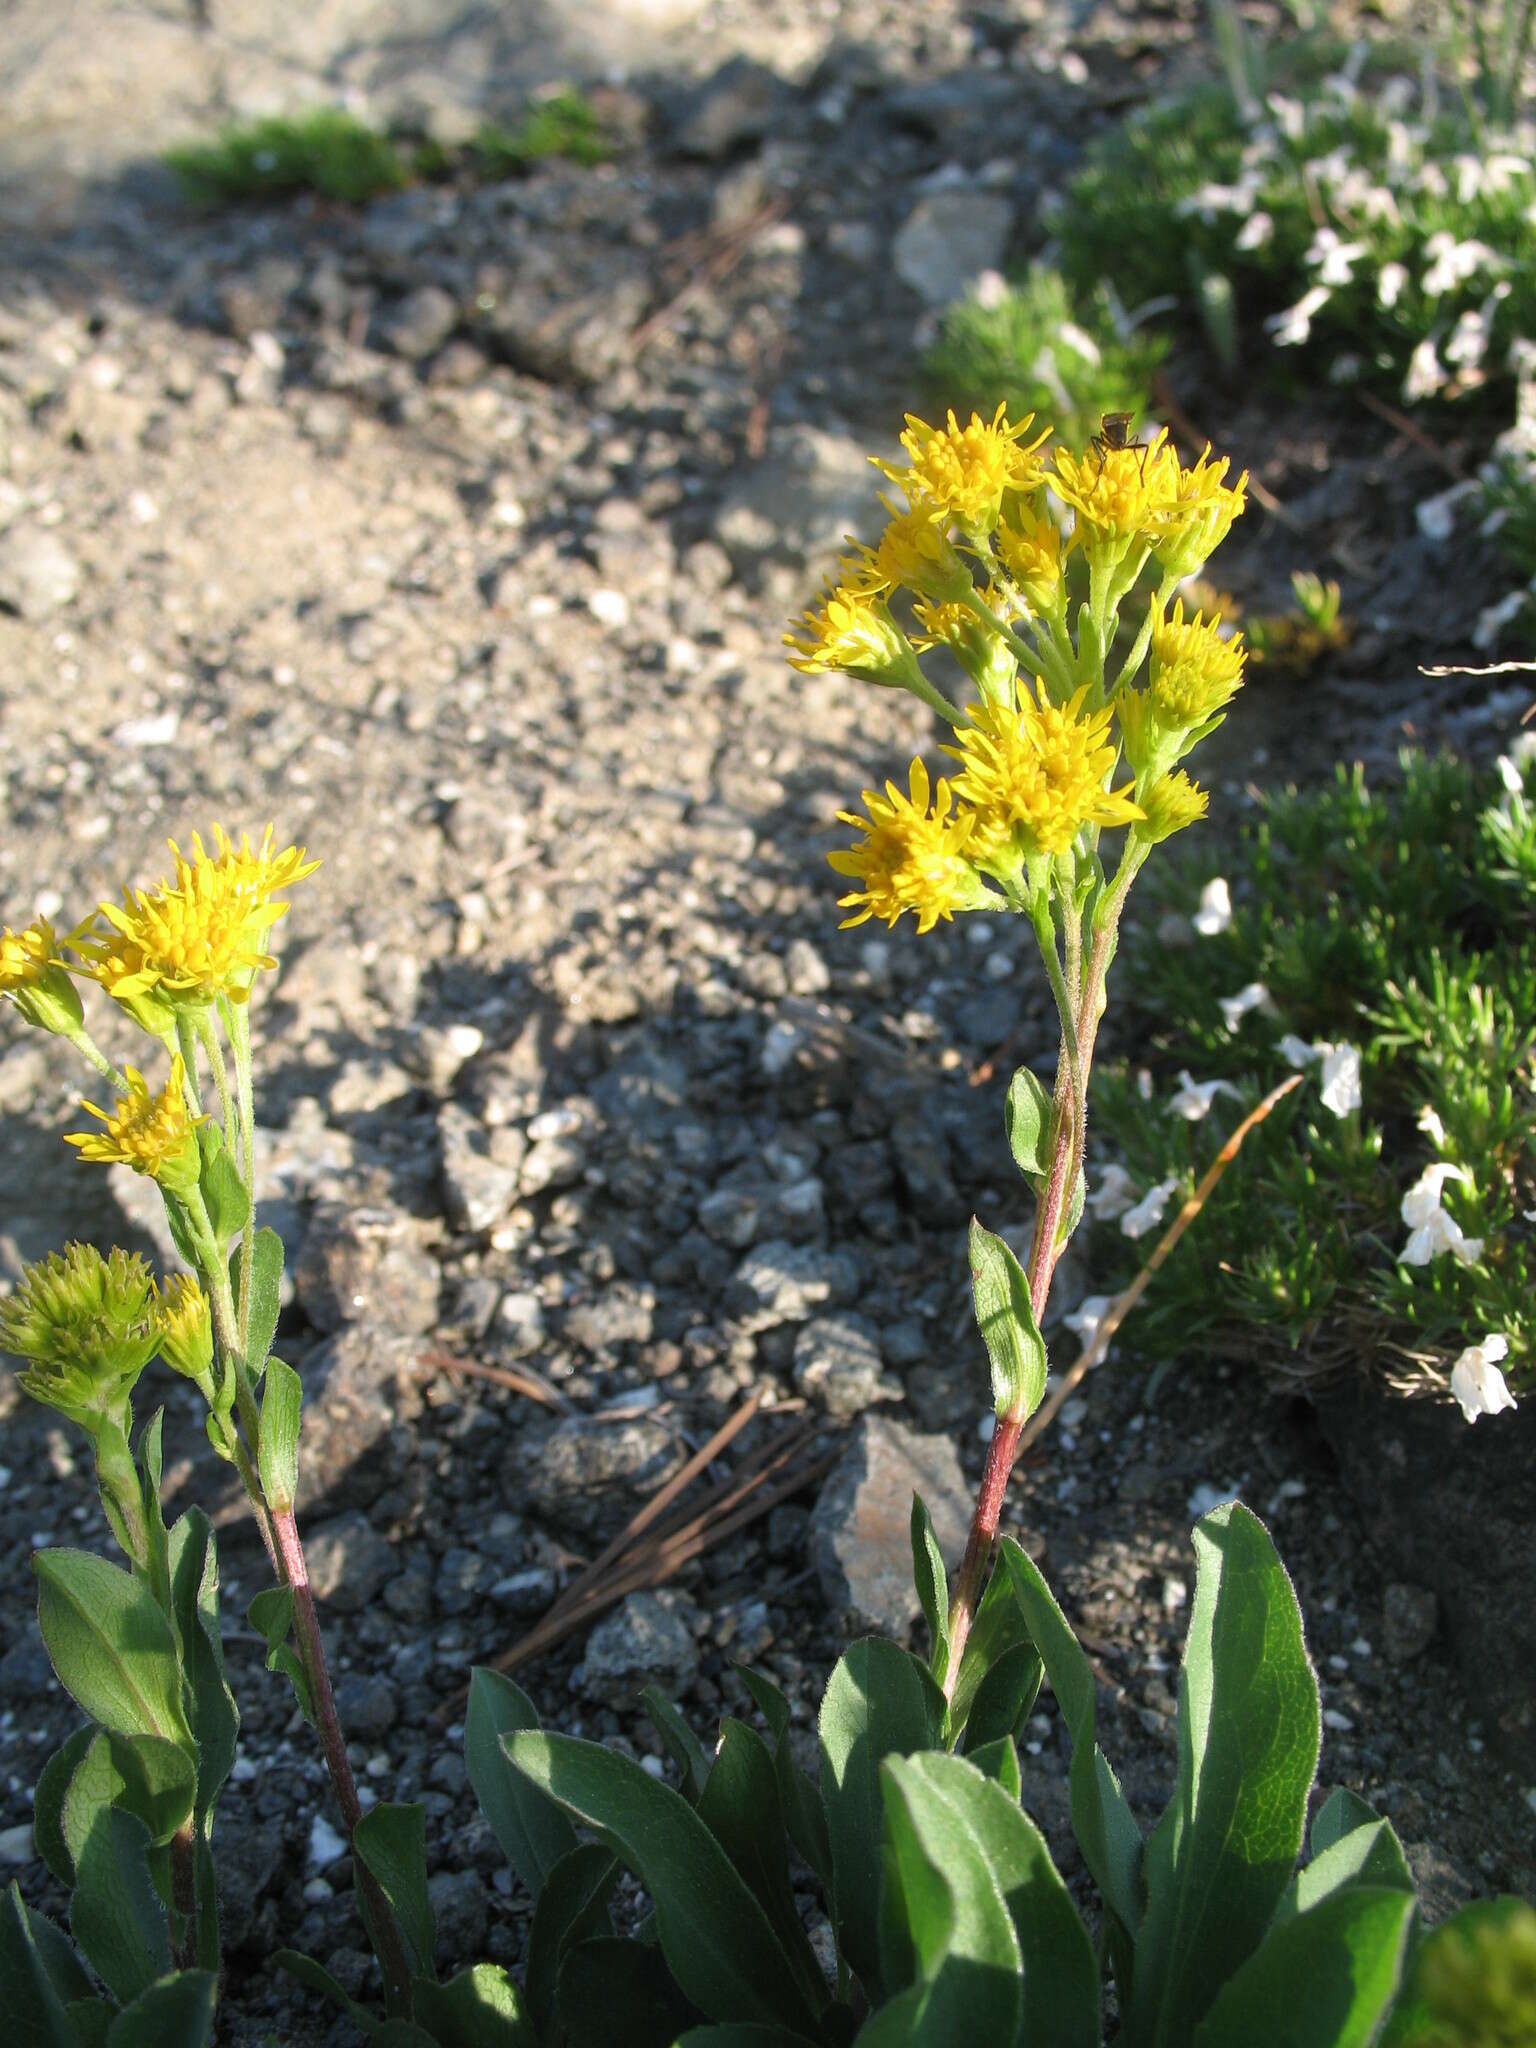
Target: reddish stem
379, 1917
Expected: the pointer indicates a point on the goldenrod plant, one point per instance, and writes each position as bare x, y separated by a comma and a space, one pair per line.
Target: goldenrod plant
1088, 686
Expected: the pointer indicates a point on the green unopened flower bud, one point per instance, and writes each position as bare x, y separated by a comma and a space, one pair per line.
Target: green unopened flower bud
87, 1326
185, 1330
979, 648
1169, 805
35, 978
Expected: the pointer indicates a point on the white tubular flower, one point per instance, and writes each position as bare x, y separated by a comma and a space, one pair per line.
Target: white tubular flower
1426, 373
1477, 1382
1112, 1195
1341, 1079
1432, 1127
1194, 1098
1431, 1230
1256, 230
1235, 1008
1296, 1052
1215, 912
1292, 327
1148, 1212
1390, 284
1085, 1319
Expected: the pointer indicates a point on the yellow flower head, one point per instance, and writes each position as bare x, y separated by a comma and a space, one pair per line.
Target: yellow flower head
911, 858
914, 553
1204, 507
966, 472
34, 976
853, 633
203, 935
184, 1327
1194, 672
1033, 773
980, 650
87, 1327
1120, 495
1029, 545
151, 1133
1171, 804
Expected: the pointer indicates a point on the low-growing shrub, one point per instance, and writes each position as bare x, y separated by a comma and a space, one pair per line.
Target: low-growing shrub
326, 151
1385, 941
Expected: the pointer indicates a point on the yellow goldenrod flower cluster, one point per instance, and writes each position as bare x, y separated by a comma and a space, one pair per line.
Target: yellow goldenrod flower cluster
194, 938
982, 555
154, 1134
35, 976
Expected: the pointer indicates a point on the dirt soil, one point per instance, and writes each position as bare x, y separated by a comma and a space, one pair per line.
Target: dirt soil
456, 533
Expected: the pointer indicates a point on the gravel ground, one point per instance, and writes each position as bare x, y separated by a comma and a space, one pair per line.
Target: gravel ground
457, 534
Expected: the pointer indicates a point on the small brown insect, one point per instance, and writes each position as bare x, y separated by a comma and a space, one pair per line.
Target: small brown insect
1115, 435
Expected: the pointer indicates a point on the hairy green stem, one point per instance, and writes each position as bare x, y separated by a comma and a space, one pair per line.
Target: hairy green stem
237, 1022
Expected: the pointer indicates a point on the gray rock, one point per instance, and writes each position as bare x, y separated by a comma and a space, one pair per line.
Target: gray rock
365, 1705
248, 1854
463, 1578
480, 1168
808, 973
420, 323
860, 1526
552, 1163
520, 1323
585, 1461
811, 489
644, 1642
458, 1902
26, 1673
784, 1283
1410, 1616
732, 1215
38, 574
565, 329
837, 1362
16, 1845
730, 112
409, 1597
364, 1265
349, 1562
619, 1315
948, 239
528, 1592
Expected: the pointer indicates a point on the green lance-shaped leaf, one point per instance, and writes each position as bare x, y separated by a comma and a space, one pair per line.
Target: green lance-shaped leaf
266, 1298
1006, 1319
804, 1815
573, 1907
178, 2009
715, 1936
157, 1538
932, 1583
271, 1615
1219, 1860
111, 1646
878, 1703
534, 1834
48, 1804
1028, 1118
391, 1841
41, 1974
1060, 1972
618, 1990
999, 1638
194, 1567
1350, 1846
228, 1204
282, 1403
679, 1741
741, 1808
1104, 1825
479, 2008
999, 1760
155, 1780
115, 1914
1322, 1980
945, 1931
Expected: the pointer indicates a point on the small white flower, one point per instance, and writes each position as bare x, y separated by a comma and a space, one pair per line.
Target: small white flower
1071, 336
1148, 1212
1297, 1053
1256, 230
1431, 1230
1477, 1382
1436, 516
1290, 116
1341, 1079
1112, 1194
1426, 374
1522, 749
1193, 1099
1085, 1319
1389, 286
1215, 912
1292, 327
1432, 1127
1235, 1008
1510, 775
1334, 260
1492, 620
